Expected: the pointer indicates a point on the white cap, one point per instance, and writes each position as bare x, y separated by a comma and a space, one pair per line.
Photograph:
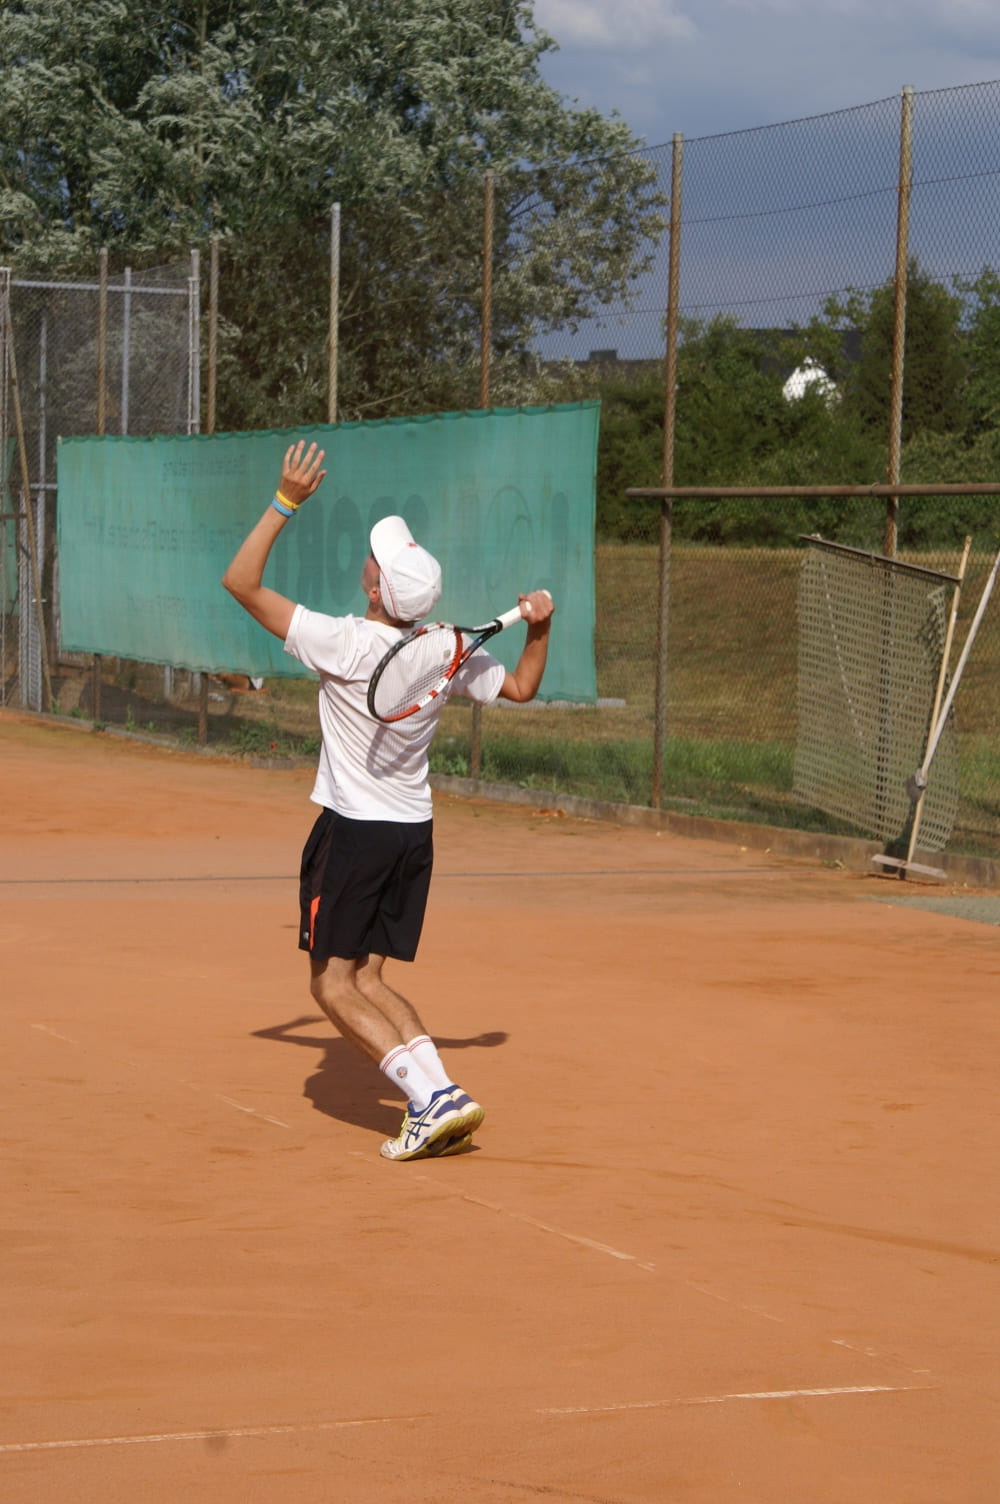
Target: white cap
410, 577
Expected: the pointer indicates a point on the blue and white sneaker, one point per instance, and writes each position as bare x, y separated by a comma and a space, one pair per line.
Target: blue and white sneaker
440, 1119
460, 1138
444, 1148
472, 1113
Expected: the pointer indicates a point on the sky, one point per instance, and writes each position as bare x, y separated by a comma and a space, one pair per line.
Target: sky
716, 66
775, 222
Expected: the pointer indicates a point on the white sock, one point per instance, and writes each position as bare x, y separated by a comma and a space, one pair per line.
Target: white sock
424, 1051
402, 1070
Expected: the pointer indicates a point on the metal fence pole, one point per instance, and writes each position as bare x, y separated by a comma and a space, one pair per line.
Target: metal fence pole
102, 339
126, 338
5, 516
36, 582
485, 341
194, 344
213, 334
486, 319
333, 337
41, 503
666, 505
102, 386
890, 537
899, 319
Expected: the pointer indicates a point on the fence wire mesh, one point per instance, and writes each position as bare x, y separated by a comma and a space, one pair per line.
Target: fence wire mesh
788, 252
117, 361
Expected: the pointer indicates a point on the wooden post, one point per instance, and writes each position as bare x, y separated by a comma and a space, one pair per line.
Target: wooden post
485, 340
666, 504
102, 384
333, 337
899, 321
36, 581
213, 334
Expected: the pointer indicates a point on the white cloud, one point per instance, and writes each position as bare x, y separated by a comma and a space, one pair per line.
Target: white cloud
748, 63
628, 25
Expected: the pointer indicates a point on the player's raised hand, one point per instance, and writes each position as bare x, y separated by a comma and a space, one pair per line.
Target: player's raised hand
301, 473
536, 607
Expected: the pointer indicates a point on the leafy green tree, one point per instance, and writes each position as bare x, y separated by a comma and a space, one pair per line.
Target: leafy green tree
735, 427
148, 128
934, 355
981, 397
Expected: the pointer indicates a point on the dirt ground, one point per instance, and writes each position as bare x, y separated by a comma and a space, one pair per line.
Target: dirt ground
729, 1231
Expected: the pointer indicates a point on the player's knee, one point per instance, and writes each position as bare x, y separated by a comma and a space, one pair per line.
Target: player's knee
329, 992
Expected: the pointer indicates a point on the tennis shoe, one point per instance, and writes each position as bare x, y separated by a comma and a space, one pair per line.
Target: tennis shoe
439, 1119
443, 1148
472, 1113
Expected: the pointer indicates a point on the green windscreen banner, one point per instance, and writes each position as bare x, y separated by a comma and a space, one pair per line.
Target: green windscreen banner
504, 499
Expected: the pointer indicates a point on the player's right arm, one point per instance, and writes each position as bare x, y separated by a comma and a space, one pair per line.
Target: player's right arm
523, 684
300, 475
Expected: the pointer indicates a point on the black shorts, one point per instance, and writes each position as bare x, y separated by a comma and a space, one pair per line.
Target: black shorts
363, 887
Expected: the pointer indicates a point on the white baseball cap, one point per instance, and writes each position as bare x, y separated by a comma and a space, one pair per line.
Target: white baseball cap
410, 577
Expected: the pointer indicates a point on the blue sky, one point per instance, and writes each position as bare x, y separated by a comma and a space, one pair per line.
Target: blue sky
724, 65
777, 221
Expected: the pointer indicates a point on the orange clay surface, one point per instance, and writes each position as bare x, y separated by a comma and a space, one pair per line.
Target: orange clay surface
729, 1231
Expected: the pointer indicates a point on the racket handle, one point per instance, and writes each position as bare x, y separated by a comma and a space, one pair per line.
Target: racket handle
511, 617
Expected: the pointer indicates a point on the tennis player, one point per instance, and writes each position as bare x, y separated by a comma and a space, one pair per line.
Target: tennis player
366, 866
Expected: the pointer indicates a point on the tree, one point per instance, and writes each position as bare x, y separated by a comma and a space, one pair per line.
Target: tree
934, 358
147, 128
981, 398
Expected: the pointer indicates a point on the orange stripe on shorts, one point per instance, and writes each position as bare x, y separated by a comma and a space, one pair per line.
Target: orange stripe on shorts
313, 911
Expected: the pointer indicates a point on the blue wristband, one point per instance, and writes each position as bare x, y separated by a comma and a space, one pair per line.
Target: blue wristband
285, 511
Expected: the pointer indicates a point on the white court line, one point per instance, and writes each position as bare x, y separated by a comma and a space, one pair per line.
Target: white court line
252, 1111
749, 1308
229, 1101
722, 1399
223, 1434
558, 1232
233, 1433
44, 1029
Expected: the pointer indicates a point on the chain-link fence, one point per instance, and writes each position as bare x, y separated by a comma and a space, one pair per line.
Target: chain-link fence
831, 290
111, 354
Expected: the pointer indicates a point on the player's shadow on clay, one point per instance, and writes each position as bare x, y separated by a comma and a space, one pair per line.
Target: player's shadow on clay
348, 1086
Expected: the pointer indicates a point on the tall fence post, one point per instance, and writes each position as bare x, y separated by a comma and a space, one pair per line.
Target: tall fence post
35, 588
486, 319
899, 319
5, 516
102, 389
485, 343
891, 535
126, 346
102, 340
333, 336
212, 364
194, 343
666, 504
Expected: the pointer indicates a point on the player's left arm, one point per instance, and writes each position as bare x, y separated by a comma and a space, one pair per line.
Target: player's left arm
301, 473
523, 683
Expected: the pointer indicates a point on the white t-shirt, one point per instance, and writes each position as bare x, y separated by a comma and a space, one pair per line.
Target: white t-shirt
368, 771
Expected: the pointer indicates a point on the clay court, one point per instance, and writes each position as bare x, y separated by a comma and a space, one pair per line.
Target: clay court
729, 1231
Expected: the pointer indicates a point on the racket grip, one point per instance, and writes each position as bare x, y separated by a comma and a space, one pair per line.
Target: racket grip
511, 617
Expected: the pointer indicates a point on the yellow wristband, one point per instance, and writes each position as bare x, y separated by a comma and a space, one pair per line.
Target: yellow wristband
293, 506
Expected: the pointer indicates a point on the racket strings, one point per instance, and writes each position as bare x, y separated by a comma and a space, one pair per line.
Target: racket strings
420, 665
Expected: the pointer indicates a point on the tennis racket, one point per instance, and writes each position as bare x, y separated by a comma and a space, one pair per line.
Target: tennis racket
417, 668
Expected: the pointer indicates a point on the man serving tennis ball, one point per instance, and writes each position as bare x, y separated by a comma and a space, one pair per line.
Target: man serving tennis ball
366, 866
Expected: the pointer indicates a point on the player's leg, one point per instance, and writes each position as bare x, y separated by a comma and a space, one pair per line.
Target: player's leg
432, 1118
333, 983
402, 1016
360, 879
396, 1009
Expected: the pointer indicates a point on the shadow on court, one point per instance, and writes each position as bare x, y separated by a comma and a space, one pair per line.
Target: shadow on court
349, 1087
